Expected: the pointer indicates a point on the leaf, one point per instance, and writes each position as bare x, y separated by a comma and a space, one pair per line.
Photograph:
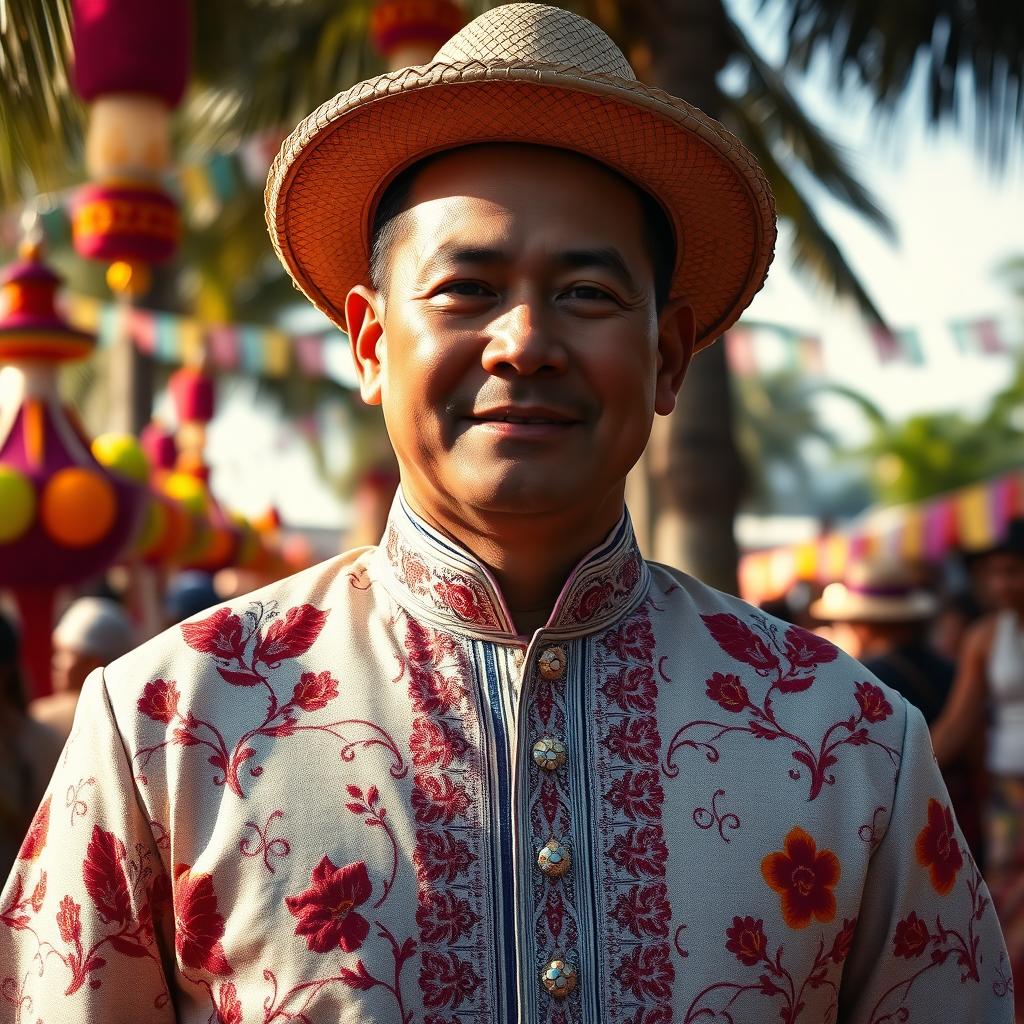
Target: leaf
128, 947
291, 636
355, 808
758, 730
354, 791
798, 685
859, 738
737, 639
104, 876
372, 795
220, 634
359, 979
184, 738
239, 678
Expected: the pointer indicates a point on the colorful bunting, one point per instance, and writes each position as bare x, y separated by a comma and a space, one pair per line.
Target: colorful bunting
970, 519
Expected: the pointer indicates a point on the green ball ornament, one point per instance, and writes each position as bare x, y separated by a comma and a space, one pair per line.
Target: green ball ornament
17, 504
122, 454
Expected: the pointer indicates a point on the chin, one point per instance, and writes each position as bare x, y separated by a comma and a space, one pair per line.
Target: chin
515, 494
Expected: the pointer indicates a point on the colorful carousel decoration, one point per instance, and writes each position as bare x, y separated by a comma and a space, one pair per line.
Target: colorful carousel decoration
65, 516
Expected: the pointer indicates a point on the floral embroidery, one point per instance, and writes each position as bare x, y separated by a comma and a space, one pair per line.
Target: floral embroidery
804, 879
937, 848
272, 640
445, 802
911, 938
35, 839
787, 662
748, 941
327, 910
707, 818
198, 925
635, 853
375, 815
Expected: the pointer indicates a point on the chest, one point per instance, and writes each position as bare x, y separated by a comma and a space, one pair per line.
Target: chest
623, 827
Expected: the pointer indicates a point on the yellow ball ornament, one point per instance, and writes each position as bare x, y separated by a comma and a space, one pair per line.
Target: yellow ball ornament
122, 454
189, 490
17, 504
78, 507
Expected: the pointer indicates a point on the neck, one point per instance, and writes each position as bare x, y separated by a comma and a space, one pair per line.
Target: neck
530, 555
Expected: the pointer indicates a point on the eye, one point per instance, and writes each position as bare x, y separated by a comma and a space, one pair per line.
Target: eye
589, 293
466, 289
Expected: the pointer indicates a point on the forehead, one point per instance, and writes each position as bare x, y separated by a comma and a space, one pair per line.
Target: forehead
534, 191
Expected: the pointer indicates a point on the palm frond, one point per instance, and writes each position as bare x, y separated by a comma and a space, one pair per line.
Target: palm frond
967, 52
815, 250
780, 117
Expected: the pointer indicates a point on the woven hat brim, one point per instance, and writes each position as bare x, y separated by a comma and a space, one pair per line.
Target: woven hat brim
330, 173
870, 608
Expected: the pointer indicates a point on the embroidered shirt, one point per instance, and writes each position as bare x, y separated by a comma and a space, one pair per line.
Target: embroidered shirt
358, 796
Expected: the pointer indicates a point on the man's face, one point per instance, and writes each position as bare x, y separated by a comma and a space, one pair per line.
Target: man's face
519, 360
70, 668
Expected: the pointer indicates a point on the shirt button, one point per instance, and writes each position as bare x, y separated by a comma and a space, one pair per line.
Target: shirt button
558, 978
554, 859
549, 753
552, 663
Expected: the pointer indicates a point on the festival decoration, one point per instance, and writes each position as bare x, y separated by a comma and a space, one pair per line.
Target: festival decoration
972, 518
410, 32
64, 513
131, 67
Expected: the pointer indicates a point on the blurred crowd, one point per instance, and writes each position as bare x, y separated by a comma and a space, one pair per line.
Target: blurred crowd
950, 639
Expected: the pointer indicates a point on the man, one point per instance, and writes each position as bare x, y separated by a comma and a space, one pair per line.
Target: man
91, 633
499, 768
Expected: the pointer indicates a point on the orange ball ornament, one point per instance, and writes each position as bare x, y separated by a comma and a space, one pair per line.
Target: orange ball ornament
78, 507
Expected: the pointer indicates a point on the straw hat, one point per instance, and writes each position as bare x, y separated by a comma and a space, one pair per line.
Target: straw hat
875, 591
529, 74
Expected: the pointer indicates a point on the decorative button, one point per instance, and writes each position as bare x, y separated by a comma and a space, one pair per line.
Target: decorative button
554, 859
552, 663
559, 978
549, 753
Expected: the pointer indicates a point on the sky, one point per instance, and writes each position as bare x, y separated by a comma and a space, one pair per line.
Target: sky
956, 222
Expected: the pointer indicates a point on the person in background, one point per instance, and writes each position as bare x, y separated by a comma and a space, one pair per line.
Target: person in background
990, 685
91, 632
28, 751
889, 614
957, 613
188, 594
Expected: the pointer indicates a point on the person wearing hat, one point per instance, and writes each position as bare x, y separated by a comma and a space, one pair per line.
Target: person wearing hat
988, 700
889, 612
499, 768
92, 632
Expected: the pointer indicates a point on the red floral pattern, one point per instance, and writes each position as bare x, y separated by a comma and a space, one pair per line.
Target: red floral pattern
804, 878
785, 659
937, 848
445, 803
638, 906
327, 912
35, 839
198, 924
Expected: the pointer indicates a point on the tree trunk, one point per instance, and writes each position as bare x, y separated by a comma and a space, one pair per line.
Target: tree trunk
694, 471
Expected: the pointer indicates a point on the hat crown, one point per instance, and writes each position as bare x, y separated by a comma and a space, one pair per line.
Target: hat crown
539, 35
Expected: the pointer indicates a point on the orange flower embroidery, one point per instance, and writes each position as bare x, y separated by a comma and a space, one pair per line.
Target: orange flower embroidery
937, 848
803, 878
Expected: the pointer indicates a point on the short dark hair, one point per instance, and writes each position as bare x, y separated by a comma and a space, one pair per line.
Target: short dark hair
658, 234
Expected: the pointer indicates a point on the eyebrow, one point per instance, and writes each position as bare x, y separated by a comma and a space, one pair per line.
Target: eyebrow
606, 258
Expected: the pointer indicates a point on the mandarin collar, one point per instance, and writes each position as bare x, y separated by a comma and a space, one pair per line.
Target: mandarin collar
441, 582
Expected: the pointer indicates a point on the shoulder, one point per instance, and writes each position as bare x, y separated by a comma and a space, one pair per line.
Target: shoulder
301, 605
816, 678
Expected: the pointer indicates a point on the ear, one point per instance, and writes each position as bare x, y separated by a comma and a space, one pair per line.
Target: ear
677, 334
364, 317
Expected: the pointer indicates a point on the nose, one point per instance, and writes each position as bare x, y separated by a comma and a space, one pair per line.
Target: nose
523, 342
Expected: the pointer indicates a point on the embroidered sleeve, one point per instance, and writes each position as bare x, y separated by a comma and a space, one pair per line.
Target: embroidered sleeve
928, 946
84, 916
